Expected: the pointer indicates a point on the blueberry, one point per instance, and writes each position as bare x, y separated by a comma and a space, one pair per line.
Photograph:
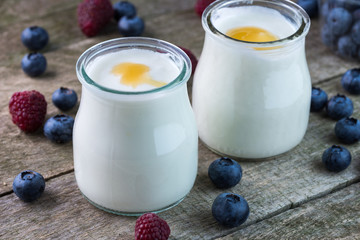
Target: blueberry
339, 20
33, 64
318, 99
230, 210
347, 47
336, 158
355, 32
335, 3
351, 81
339, 106
124, 8
34, 38
310, 6
325, 9
64, 98
349, 5
328, 37
131, 26
356, 15
29, 185
347, 130
59, 128
225, 172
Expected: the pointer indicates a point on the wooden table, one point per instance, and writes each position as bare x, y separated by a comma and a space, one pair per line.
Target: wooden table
291, 196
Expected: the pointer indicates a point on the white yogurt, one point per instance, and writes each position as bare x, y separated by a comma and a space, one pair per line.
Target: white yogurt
160, 68
251, 103
255, 16
134, 153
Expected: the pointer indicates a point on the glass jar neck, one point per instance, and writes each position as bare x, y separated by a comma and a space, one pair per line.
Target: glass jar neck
291, 12
174, 54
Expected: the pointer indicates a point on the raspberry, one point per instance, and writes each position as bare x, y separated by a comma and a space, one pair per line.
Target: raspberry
93, 15
192, 57
28, 110
149, 226
201, 5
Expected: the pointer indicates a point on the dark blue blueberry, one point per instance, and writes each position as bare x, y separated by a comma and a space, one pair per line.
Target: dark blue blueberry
34, 38
355, 32
328, 37
318, 99
29, 185
34, 64
347, 47
335, 3
336, 158
347, 130
124, 8
356, 15
339, 20
59, 128
225, 172
351, 5
131, 26
351, 81
325, 9
230, 210
339, 3
64, 98
310, 6
339, 106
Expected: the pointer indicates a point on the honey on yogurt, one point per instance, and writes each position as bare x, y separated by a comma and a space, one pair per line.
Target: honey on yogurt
133, 70
251, 34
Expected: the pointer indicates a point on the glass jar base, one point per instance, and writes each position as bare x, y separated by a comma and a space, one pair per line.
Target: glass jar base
242, 159
133, 213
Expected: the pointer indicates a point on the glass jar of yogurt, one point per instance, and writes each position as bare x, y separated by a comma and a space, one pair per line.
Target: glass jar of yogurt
135, 139
252, 87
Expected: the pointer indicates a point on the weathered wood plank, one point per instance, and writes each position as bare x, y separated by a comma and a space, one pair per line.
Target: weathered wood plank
271, 187
61, 213
13, 11
336, 216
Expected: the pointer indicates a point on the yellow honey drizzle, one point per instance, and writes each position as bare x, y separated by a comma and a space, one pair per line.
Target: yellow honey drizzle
135, 74
252, 34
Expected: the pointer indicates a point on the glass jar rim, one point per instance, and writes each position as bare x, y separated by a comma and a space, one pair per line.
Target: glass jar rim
300, 33
157, 45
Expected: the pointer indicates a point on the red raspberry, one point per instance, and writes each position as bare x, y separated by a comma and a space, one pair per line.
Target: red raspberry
149, 226
201, 5
93, 15
192, 57
28, 110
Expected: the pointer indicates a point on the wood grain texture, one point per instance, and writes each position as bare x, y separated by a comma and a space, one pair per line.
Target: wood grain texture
278, 186
271, 187
336, 216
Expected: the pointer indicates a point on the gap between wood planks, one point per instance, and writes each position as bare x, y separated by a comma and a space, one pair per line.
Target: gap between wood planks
46, 179
271, 215
329, 79
296, 205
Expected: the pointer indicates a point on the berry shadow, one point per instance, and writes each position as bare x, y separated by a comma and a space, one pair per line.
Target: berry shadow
47, 76
318, 165
109, 29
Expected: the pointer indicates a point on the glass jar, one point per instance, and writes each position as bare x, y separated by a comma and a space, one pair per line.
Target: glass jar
340, 27
135, 152
252, 99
